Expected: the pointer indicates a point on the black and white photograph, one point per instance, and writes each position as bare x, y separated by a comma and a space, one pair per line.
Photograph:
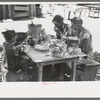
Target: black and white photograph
50, 42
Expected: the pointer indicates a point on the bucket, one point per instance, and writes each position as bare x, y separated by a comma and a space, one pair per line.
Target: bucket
34, 30
73, 41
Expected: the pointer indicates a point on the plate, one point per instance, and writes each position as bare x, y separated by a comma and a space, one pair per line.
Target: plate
41, 47
73, 38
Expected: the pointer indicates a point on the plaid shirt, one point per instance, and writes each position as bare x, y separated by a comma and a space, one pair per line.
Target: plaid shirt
61, 32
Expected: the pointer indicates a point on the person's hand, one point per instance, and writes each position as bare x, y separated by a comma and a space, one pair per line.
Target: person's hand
63, 36
57, 30
26, 47
18, 47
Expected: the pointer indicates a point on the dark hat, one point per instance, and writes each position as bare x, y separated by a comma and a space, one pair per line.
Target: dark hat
77, 21
8, 35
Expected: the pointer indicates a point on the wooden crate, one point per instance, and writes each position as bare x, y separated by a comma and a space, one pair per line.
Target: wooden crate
23, 11
20, 11
17, 11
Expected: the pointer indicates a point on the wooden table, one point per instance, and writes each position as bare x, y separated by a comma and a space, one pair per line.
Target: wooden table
42, 59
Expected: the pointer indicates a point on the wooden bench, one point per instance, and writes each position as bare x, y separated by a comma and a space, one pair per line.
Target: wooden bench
90, 69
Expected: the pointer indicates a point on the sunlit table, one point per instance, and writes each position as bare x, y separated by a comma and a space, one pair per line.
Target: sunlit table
42, 58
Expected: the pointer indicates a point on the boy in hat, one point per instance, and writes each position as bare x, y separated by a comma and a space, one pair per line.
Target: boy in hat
15, 61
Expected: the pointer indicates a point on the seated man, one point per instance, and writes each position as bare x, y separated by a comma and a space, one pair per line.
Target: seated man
61, 30
15, 61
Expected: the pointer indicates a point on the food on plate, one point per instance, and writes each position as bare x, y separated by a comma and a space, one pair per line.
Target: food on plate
41, 47
72, 50
58, 47
56, 52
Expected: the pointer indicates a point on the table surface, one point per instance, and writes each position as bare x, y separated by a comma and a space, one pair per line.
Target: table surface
41, 56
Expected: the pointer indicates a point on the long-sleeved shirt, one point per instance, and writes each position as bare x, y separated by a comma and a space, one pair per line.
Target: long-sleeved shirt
60, 32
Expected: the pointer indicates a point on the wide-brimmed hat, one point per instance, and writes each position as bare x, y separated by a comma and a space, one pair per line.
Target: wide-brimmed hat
8, 35
77, 21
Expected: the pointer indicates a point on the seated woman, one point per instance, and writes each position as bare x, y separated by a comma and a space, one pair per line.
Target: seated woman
61, 30
82, 33
15, 62
85, 38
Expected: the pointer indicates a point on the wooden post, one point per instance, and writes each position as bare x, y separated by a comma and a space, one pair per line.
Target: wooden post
89, 11
12, 11
4, 15
73, 74
80, 14
98, 14
84, 11
33, 10
40, 72
9, 10
69, 14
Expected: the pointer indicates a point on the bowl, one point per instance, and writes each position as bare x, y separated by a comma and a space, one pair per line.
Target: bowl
73, 40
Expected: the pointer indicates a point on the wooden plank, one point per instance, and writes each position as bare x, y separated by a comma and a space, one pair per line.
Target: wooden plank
24, 5
89, 63
9, 9
21, 8
20, 14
